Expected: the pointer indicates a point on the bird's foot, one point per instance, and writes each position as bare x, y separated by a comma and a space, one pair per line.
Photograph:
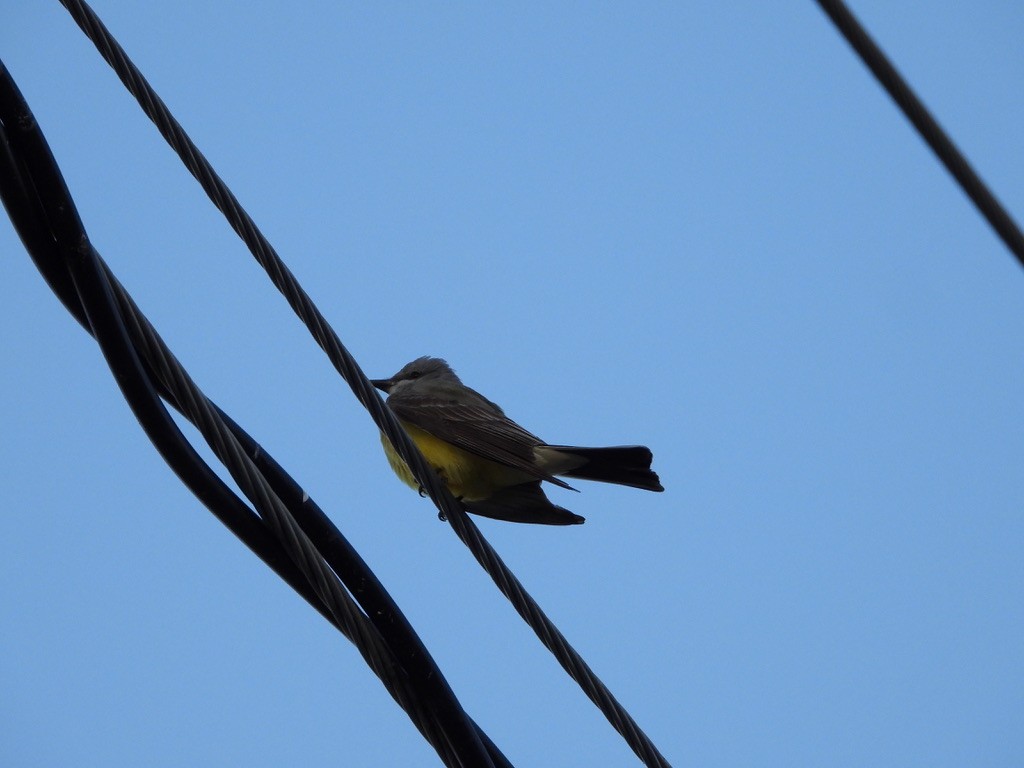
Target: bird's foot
442, 516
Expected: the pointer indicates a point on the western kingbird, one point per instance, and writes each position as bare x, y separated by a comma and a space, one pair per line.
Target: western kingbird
490, 463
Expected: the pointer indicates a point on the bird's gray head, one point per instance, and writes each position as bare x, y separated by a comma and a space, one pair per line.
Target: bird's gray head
422, 368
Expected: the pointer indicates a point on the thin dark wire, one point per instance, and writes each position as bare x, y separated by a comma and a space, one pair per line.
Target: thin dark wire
341, 607
47, 220
343, 362
422, 706
262, 250
926, 125
332, 545
556, 642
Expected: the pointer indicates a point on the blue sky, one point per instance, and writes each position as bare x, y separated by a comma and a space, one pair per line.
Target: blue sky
703, 228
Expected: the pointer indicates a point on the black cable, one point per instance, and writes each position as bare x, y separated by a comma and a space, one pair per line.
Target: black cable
338, 552
47, 220
556, 642
926, 125
196, 474
240, 221
346, 365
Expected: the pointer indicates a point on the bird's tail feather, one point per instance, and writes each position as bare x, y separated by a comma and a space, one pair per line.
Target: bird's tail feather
621, 464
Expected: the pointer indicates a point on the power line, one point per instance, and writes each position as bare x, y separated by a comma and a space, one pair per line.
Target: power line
915, 110
46, 218
350, 371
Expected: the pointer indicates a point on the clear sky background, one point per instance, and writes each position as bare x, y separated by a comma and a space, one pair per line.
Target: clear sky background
702, 227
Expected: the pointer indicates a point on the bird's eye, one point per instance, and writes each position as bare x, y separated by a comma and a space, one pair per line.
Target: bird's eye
415, 375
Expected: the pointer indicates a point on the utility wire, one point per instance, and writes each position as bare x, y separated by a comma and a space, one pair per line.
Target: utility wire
464, 527
345, 364
940, 142
46, 218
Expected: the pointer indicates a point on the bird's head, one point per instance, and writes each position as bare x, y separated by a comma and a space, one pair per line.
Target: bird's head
422, 368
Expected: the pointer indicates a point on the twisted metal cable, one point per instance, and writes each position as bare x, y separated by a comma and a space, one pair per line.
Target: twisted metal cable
378, 651
331, 544
340, 605
927, 126
259, 246
556, 642
346, 365
47, 220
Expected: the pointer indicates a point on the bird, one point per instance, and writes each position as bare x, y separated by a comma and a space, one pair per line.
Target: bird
489, 463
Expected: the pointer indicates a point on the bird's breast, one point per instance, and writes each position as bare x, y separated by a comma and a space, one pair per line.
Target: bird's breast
468, 476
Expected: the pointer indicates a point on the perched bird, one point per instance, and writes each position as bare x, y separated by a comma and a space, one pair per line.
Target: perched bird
490, 463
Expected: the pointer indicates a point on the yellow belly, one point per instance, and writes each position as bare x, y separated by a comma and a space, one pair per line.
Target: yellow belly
468, 476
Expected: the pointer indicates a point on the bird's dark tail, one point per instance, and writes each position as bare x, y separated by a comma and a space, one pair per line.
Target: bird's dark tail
621, 464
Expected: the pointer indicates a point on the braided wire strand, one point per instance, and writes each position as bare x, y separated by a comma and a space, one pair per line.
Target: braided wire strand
357, 627
346, 365
52, 231
145, 337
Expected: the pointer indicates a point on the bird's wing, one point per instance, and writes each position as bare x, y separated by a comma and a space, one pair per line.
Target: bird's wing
525, 503
478, 427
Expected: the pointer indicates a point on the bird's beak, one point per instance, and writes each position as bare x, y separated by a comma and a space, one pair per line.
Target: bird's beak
384, 385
